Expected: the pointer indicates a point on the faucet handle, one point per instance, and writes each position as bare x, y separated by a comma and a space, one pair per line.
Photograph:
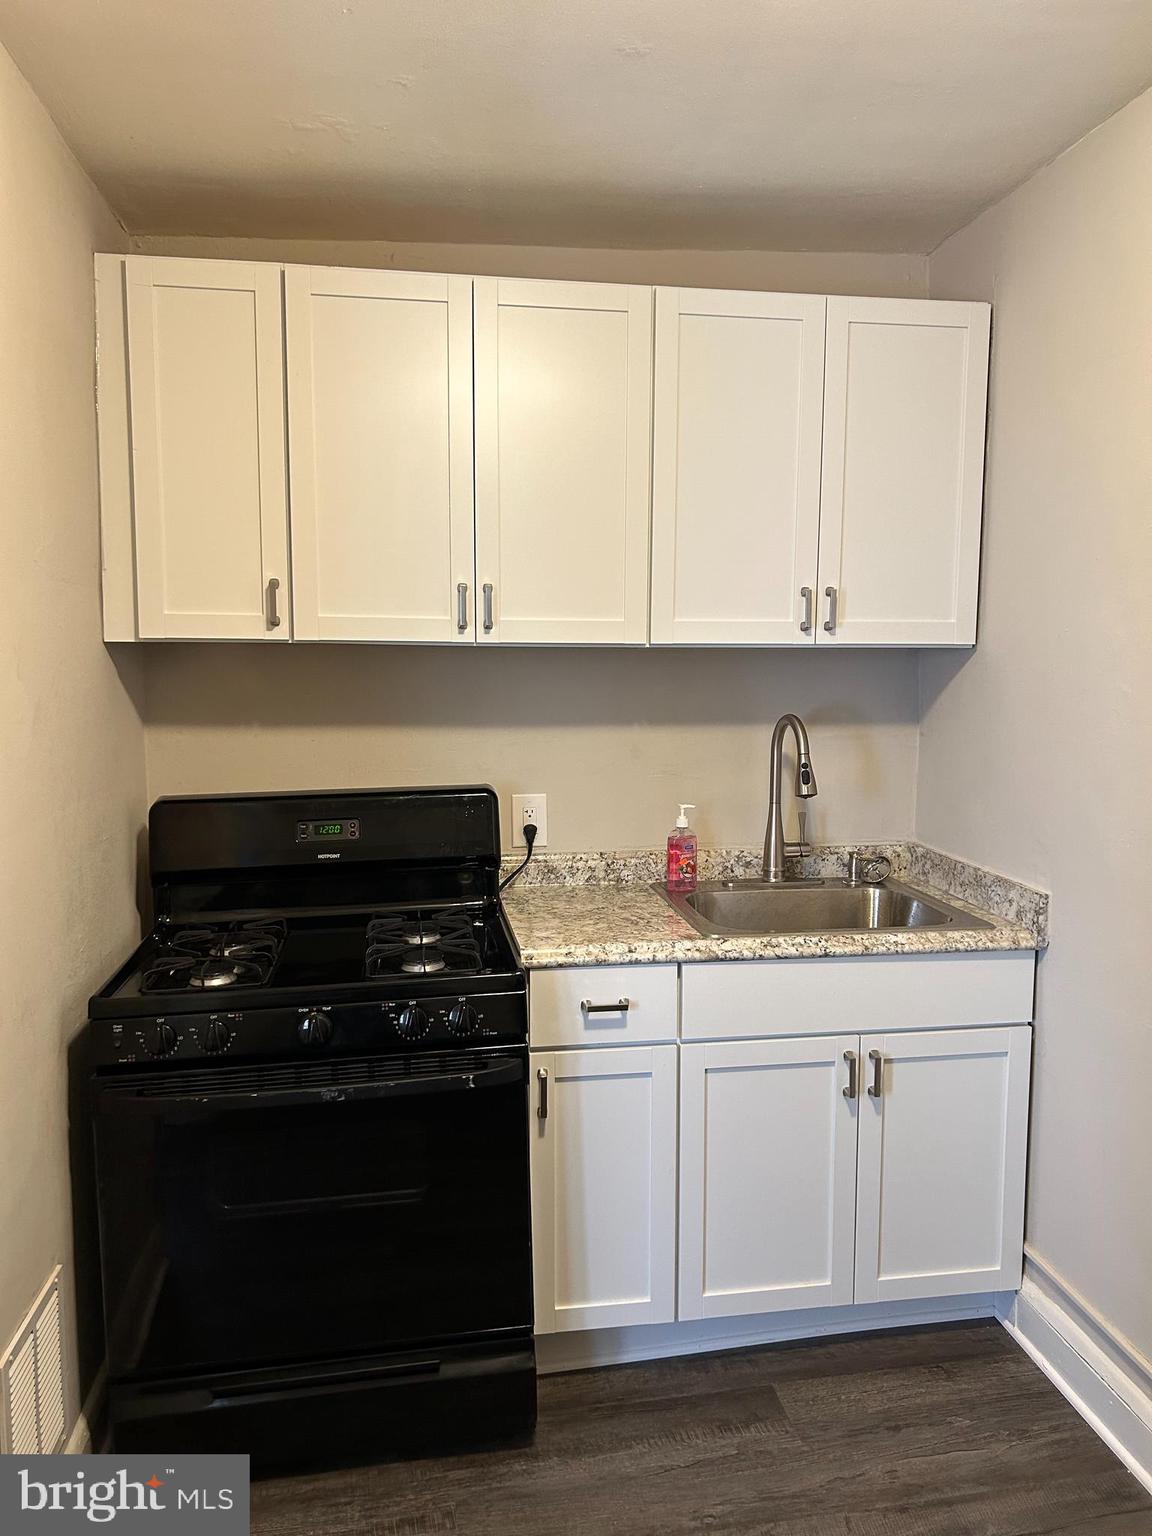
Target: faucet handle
801, 849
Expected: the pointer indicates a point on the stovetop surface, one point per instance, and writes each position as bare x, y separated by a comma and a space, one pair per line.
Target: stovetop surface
254, 959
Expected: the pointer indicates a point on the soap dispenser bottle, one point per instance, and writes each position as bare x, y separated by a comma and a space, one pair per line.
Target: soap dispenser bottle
682, 853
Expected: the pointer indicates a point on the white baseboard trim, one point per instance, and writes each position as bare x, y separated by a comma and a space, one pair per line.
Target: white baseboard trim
79, 1442
1095, 1368
579, 1351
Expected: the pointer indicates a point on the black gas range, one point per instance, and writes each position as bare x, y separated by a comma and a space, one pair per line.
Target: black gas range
310, 1095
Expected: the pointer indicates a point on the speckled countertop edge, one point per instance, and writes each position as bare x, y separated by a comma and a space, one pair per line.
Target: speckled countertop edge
605, 912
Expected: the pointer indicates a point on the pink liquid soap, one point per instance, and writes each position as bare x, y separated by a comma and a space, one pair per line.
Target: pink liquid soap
682, 852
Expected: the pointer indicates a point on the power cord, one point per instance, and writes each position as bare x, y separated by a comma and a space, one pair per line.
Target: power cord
530, 831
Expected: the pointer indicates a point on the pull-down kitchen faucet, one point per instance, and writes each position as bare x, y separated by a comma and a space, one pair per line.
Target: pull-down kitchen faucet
775, 847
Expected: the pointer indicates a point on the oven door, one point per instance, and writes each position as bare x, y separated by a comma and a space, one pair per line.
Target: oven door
276, 1213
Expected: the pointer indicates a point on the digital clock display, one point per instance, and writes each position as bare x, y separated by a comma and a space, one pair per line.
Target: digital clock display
332, 831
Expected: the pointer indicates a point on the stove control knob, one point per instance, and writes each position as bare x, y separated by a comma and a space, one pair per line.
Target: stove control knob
412, 1023
217, 1037
463, 1020
160, 1040
315, 1028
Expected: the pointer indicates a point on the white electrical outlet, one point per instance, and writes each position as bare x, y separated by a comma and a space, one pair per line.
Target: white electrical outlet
525, 809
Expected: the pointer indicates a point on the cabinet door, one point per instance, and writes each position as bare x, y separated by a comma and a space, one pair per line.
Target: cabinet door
563, 451
603, 1128
767, 1175
380, 431
736, 467
943, 1140
206, 379
905, 391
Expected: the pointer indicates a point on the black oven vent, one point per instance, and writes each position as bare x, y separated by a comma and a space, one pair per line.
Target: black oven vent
280, 1077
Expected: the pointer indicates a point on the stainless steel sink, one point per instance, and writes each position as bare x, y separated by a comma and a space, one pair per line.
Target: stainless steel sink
719, 907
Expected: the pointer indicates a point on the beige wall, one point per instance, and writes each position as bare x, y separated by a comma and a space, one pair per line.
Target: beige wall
71, 767
1036, 752
614, 738
884, 274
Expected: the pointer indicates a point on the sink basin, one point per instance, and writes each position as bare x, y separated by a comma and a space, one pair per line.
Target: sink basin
719, 907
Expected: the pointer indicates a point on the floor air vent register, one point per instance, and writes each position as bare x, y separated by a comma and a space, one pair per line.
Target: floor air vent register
32, 1380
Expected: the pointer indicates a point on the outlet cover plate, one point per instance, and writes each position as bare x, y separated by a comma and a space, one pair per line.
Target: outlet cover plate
529, 808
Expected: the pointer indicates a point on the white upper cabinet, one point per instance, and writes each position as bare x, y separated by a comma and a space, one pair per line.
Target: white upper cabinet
767, 1175
905, 391
563, 448
500, 459
380, 439
736, 467
943, 1146
208, 508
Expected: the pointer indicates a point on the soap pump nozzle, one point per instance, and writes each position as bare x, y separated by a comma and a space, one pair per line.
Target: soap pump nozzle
682, 819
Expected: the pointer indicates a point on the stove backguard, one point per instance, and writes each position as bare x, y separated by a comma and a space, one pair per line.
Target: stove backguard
216, 857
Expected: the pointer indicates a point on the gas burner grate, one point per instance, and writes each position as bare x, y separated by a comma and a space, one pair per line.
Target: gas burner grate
421, 944
209, 958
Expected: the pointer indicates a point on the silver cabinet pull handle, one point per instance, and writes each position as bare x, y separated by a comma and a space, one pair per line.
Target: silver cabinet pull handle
621, 1006
271, 614
852, 1091
542, 1105
876, 1087
830, 621
488, 622
461, 605
806, 621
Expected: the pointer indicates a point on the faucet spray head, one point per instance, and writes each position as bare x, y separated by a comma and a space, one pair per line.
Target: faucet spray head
805, 777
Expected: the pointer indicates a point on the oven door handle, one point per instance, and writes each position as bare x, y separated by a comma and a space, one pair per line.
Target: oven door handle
193, 1105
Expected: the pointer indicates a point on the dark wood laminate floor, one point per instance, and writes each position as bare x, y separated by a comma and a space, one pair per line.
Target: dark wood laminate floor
946, 1431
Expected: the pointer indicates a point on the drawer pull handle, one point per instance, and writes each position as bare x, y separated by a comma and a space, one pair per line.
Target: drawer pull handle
461, 606
876, 1087
542, 1105
622, 1005
852, 1090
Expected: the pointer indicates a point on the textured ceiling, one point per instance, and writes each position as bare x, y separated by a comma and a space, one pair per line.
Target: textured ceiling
787, 124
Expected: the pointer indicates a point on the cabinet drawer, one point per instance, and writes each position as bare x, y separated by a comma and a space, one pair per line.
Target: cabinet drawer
558, 1016
731, 1000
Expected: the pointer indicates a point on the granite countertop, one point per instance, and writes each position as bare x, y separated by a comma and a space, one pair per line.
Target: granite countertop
621, 920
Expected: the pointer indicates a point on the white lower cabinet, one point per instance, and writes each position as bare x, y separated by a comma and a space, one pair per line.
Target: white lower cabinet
851, 1168
943, 1145
811, 1171
767, 1176
603, 1139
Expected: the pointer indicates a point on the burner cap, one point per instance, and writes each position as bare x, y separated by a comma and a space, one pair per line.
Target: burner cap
420, 935
422, 962
215, 973
239, 948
